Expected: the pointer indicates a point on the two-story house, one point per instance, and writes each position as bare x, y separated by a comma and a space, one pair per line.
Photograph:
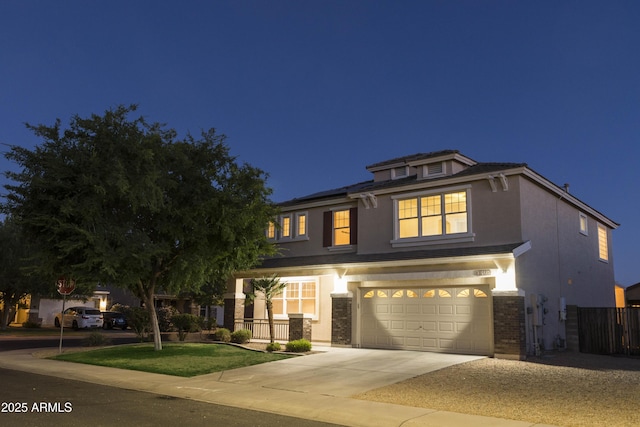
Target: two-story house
438, 252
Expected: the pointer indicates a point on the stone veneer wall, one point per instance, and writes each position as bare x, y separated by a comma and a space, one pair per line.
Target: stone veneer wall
509, 327
299, 327
341, 312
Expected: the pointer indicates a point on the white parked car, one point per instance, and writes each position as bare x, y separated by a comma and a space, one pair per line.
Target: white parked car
80, 318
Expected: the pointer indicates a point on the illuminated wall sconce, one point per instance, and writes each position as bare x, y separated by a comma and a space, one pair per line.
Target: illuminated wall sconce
340, 283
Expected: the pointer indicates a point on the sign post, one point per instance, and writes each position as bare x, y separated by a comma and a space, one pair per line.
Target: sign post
65, 287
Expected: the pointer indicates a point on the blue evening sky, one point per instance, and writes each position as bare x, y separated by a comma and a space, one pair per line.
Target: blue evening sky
313, 91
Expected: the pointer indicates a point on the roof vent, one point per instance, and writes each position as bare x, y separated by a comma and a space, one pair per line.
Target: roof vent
434, 169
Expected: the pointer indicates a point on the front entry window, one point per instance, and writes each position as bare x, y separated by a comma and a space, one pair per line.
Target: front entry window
297, 297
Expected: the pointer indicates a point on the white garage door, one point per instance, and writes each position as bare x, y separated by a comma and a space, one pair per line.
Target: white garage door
451, 320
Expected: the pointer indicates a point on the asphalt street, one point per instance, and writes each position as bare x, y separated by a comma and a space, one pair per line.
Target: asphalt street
72, 339
43, 401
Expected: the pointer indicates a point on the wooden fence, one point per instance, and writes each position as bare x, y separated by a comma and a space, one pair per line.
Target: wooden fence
609, 330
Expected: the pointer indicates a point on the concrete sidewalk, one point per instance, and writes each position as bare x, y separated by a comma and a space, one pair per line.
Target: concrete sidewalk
315, 387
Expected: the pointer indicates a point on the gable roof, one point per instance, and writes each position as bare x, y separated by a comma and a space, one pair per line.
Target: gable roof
473, 169
371, 185
413, 158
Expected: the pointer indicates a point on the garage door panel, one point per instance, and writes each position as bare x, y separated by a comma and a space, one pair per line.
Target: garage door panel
429, 309
463, 309
413, 342
384, 324
446, 326
430, 344
447, 344
430, 326
413, 309
413, 325
445, 309
462, 327
397, 309
398, 325
397, 341
428, 319
382, 308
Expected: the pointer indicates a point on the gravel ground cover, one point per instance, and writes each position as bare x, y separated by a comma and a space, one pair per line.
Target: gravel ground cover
566, 389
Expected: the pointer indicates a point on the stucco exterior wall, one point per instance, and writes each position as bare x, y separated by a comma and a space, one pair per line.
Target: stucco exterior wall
495, 219
562, 263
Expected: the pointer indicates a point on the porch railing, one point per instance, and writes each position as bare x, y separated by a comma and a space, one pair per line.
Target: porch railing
260, 328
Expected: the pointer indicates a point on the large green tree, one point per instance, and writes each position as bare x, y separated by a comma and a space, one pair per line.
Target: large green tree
124, 201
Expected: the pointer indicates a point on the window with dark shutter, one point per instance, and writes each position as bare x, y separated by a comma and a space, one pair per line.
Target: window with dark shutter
353, 224
327, 229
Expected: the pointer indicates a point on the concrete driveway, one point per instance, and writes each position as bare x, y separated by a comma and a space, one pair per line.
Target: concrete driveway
340, 372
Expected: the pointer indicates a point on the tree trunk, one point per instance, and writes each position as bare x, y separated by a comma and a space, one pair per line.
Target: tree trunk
148, 297
9, 309
157, 338
270, 317
4, 323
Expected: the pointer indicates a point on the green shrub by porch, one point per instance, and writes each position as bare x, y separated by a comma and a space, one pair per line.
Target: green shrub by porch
298, 346
241, 336
222, 334
273, 346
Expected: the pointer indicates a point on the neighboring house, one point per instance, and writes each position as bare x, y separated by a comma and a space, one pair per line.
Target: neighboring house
620, 296
440, 253
43, 310
632, 295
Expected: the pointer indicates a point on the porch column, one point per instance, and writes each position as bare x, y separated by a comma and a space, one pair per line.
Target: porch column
509, 325
341, 318
233, 303
299, 327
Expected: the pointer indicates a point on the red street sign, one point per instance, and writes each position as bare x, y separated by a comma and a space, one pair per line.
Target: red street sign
65, 287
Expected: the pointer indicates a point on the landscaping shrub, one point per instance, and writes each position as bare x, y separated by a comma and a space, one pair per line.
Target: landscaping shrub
298, 346
241, 336
185, 323
222, 334
96, 339
119, 308
208, 324
273, 346
165, 314
139, 320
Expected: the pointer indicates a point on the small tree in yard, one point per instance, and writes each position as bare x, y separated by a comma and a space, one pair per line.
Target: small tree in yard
117, 200
184, 323
138, 319
268, 287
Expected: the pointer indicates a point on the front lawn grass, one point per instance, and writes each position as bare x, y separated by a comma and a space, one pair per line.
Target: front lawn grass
184, 360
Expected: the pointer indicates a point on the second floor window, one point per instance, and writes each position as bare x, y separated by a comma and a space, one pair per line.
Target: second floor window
271, 230
302, 224
432, 215
288, 227
603, 243
340, 228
